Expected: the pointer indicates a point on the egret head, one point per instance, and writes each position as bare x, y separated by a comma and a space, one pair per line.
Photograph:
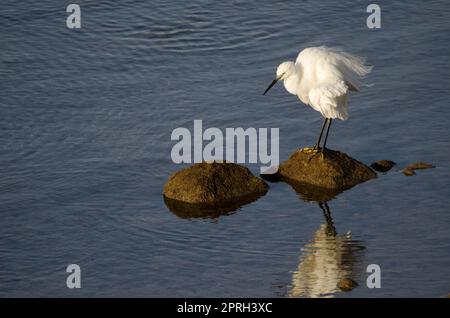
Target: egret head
284, 70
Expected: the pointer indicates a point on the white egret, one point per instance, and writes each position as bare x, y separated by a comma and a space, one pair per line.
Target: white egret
321, 77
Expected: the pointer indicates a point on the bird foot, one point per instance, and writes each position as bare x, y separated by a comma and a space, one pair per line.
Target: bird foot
311, 150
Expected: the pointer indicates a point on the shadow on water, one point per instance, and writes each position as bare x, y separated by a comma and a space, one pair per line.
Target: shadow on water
329, 256
194, 211
200, 211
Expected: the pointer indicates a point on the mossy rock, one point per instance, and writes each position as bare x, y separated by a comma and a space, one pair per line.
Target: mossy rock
383, 165
211, 189
329, 170
410, 169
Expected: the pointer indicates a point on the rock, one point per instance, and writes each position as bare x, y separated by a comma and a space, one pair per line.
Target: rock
409, 170
307, 192
383, 165
347, 284
211, 188
419, 165
332, 170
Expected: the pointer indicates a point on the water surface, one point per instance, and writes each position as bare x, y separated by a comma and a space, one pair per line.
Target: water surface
85, 123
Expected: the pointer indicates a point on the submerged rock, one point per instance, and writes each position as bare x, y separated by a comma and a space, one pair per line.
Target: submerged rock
347, 284
332, 170
383, 165
409, 170
420, 165
211, 189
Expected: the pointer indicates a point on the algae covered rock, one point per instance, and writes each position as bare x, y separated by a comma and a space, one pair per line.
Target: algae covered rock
330, 169
211, 189
409, 170
383, 165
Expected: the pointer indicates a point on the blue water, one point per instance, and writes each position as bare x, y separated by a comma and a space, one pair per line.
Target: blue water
85, 122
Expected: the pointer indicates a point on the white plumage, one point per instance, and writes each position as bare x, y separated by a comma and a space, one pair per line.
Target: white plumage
322, 77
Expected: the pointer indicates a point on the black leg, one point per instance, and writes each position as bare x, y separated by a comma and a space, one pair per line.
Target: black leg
326, 135
330, 230
321, 132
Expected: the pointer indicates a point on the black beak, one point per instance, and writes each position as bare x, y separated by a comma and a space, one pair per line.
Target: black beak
270, 86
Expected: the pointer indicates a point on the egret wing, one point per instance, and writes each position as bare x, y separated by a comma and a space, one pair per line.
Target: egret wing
334, 64
330, 99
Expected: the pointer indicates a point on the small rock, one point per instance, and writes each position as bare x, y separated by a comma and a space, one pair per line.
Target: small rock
206, 188
328, 170
419, 165
409, 170
347, 284
383, 165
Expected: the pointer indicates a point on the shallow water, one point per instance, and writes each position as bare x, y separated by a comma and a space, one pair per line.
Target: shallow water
86, 117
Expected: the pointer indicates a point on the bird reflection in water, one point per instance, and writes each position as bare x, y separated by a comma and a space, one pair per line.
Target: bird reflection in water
328, 257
